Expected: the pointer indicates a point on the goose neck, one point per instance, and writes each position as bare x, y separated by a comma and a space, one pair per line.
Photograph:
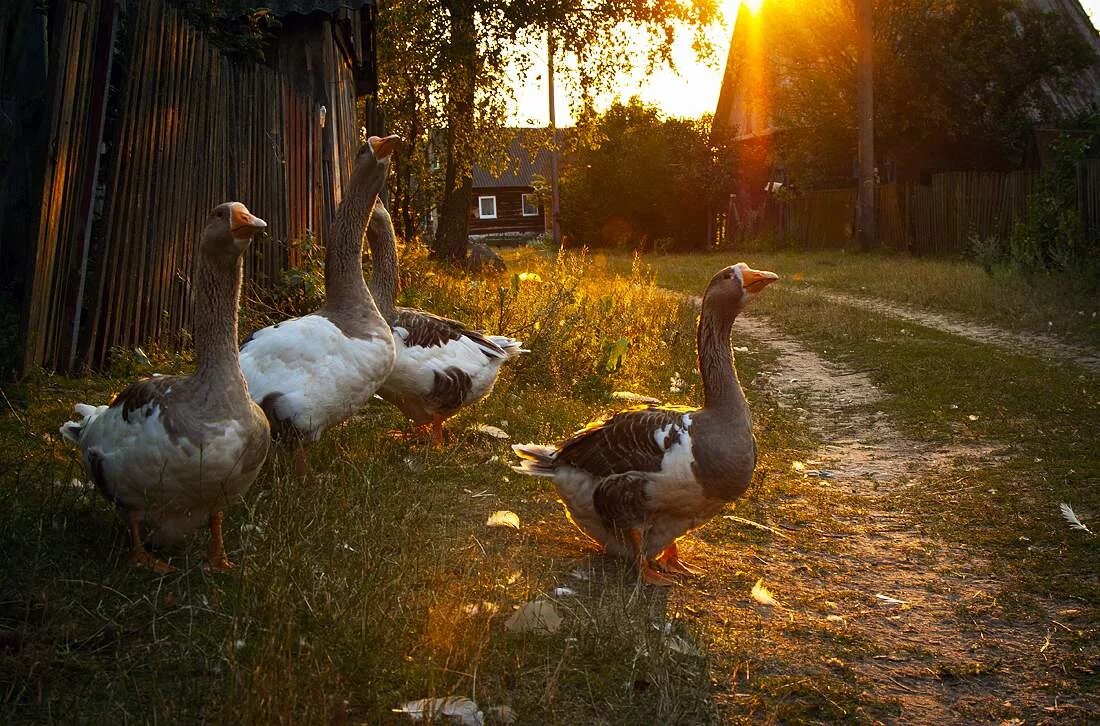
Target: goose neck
218, 291
721, 388
383, 253
345, 287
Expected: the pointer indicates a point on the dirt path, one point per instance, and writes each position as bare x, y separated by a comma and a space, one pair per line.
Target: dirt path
943, 648
1034, 344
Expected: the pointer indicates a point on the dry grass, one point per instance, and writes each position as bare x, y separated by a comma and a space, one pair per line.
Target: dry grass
1059, 304
380, 583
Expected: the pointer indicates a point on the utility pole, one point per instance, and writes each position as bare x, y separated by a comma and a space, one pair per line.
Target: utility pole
555, 227
866, 83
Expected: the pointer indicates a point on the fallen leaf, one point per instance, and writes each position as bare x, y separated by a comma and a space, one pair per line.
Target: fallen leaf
798, 466
740, 349
539, 616
632, 397
500, 714
493, 431
456, 707
484, 608
504, 518
836, 619
761, 594
891, 600
678, 644
972, 417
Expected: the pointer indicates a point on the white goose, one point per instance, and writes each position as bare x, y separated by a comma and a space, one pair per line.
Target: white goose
442, 365
641, 479
313, 372
171, 451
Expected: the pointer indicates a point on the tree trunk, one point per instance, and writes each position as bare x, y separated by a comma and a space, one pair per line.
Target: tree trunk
454, 212
866, 219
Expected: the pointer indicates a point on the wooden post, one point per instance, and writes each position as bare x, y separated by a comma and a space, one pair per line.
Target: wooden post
866, 217
554, 200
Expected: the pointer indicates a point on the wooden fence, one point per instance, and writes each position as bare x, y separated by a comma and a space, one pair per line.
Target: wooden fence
184, 129
937, 218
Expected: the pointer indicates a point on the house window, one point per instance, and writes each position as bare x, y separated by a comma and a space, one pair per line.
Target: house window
530, 205
487, 207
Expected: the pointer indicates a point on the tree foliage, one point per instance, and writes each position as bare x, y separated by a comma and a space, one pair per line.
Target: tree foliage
639, 180
444, 74
956, 83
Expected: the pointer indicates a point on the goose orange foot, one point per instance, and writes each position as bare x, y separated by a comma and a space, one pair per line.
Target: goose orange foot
645, 568
142, 560
139, 556
217, 560
670, 561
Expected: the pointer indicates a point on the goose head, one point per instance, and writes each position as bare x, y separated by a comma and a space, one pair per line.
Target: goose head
733, 287
374, 156
229, 229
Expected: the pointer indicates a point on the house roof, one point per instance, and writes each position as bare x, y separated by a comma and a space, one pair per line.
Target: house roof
282, 8
1084, 91
520, 169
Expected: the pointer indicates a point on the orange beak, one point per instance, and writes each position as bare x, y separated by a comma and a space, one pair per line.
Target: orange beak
756, 280
382, 148
244, 224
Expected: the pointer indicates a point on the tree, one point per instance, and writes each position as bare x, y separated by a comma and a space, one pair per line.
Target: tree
956, 83
461, 51
639, 180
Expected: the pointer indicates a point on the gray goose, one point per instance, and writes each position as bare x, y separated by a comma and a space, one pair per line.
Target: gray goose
641, 479
171, 451
313, 372
442, 365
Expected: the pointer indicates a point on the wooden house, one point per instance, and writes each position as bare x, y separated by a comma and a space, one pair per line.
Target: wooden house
122, 126
504, 202
744, 119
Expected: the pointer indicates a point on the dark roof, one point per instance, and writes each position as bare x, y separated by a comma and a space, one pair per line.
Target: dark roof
1084, 89
519, 170
280, 8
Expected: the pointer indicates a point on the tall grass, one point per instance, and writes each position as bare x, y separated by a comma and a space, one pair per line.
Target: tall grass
378, 582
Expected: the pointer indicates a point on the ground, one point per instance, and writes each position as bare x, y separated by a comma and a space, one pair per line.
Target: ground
919, 424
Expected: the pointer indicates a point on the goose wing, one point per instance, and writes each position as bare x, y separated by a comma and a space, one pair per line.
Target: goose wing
634, 440
420, 329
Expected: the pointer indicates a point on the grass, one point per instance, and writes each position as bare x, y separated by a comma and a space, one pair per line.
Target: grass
379, 583
1044, 302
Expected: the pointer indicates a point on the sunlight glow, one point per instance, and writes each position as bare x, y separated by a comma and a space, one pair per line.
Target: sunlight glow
752, 5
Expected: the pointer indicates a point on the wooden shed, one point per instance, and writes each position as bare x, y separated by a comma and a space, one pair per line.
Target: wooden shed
121, 126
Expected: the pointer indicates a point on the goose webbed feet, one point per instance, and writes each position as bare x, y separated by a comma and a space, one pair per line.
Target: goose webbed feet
140, 557
649, 574
217, 560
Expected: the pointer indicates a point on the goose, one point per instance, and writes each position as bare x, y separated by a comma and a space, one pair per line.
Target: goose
442, 366
313, 372
171, 451
641, 479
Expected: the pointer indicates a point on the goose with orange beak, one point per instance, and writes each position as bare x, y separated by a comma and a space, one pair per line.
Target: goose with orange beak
171, 451
638, 481
313, 372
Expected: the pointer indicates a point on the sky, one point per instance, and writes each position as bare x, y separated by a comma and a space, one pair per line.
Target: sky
690, 91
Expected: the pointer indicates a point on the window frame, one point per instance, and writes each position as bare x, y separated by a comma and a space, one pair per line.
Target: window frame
523, 204
481, 210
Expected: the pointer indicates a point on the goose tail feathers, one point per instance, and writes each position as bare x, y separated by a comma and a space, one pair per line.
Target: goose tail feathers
73, 430
510, 346
538, 459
